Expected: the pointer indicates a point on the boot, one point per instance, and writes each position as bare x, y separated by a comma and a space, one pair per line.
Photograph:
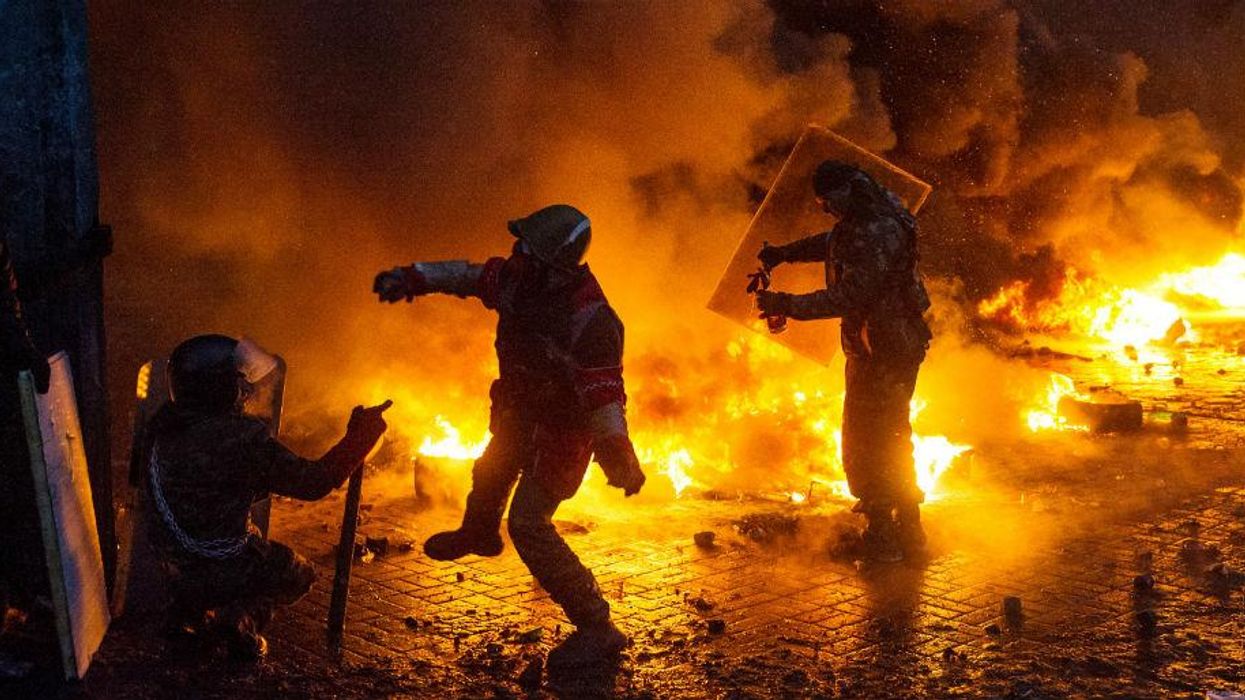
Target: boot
588, 646
911, 535
881, 537
477, 535
455, 544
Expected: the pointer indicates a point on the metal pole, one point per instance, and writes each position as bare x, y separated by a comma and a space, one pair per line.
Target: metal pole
345, 557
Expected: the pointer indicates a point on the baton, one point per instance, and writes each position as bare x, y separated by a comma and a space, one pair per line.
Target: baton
345, 557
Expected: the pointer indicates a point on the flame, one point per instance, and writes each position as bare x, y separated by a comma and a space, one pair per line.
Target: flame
1091, 307
450, 444
1045, 416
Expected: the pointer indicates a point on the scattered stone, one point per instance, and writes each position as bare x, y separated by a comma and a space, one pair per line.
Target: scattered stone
411, 622
993, 630
704, 539
1221, 372
797, 678
1013, 611
1143, 583
1149, 367
1130, 352
530, 678
406, 546
363, 554
1222, 575
460, 577
531, 636
701, 604
950, 655
767, 527
566, 527
1178, 381
492, 649
717, 626
1191, 527
324, 527
1179, 422
380, 545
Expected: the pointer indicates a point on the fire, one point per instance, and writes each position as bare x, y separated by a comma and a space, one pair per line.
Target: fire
1046, 415
450, 444
775, 428
932, 454
1162, 310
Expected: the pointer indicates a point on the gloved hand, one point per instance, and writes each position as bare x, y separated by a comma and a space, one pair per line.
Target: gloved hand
773, 303
616, 455
367, 425
399, 283
771, 256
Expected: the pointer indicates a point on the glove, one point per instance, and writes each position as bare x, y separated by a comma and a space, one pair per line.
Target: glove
399, 283
366, 425
616, 455
771, 256
773, 303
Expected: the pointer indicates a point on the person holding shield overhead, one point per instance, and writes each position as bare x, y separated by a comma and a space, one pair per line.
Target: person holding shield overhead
873, 285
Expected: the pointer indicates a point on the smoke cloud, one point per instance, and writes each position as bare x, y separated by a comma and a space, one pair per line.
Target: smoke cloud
261, 163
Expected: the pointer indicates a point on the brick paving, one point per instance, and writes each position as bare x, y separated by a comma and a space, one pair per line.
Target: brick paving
1065, 523
798, 622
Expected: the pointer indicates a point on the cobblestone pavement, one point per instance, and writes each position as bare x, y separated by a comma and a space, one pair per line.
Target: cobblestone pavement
769, 612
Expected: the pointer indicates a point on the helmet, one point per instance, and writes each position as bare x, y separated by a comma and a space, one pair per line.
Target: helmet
204, 374
558, 235
833, 174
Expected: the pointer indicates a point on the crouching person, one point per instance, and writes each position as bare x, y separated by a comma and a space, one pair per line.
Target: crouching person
209, 463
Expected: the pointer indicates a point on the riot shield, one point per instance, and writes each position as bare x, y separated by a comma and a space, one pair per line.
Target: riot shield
66, 516
140, 586
788, 213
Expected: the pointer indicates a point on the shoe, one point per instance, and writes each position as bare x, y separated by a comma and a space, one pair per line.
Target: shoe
911, 535
455, 544
880, 540
588, 646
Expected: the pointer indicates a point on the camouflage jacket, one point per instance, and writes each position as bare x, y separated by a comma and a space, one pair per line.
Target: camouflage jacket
871, 283
212, 467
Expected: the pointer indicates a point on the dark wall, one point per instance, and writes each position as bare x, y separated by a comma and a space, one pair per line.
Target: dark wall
48, 209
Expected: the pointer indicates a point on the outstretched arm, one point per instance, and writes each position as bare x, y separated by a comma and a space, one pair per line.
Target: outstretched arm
458, 277
810, 249
285, 473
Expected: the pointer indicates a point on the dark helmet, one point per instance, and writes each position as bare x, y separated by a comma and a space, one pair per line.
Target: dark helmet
203, 373
558, 234
833, 174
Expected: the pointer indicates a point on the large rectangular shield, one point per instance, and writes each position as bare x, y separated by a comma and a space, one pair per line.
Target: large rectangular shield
140, 587
66, 515
788, 213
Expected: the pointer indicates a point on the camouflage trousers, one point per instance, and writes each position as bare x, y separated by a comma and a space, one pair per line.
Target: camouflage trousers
877, 434
267, 574
509, 458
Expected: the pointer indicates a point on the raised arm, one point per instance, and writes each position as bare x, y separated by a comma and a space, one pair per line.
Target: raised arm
458, 277
282, 472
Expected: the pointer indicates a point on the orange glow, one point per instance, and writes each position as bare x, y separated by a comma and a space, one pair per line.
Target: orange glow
1045, 415
1094, 308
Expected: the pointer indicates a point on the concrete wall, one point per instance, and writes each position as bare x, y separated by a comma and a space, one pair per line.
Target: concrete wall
48, 208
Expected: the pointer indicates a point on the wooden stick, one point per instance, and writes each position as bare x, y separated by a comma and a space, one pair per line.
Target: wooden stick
345, 557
